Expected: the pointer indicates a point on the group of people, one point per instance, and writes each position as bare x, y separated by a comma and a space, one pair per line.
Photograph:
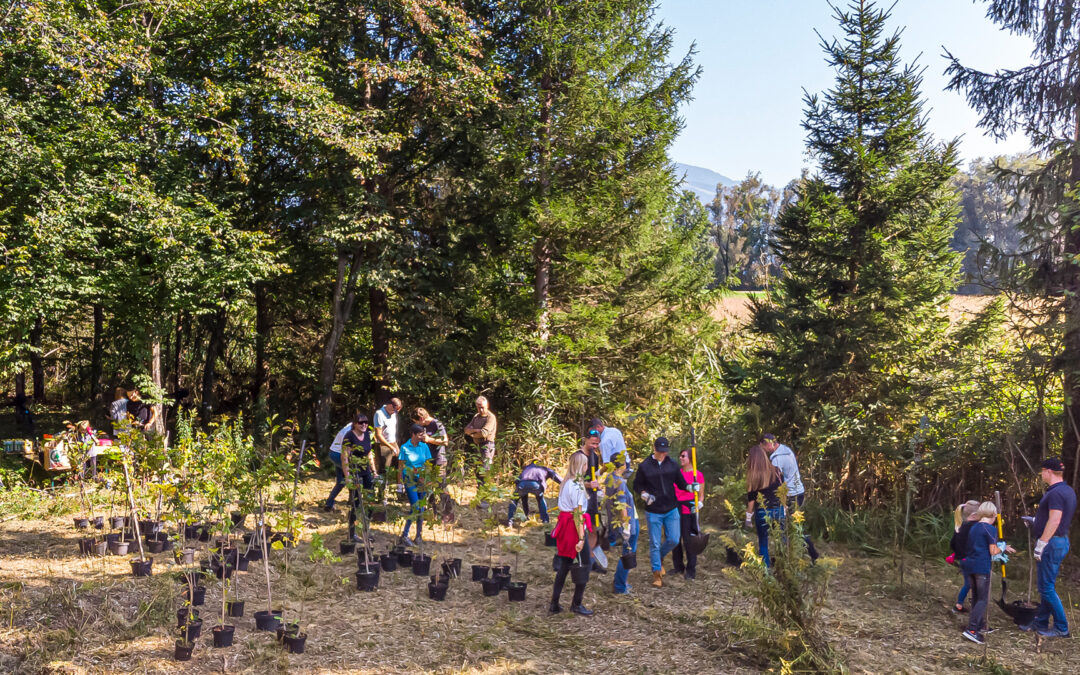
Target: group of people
376, 450
976, 546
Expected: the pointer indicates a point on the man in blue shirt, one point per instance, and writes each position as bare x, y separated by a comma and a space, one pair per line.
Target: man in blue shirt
1051, 527
611, 441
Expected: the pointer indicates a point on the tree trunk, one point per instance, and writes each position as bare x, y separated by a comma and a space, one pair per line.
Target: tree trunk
341, 305
179, 344
260, 390
159, 381
542, 262
95, 353
213, 350
380, 344
36, 366
20, 384
1070, 353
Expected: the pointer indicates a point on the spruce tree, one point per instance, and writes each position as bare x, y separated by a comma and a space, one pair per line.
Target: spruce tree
1043, 101
867, 268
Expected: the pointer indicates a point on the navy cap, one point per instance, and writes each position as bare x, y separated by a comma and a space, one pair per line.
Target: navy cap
1054, 464
661, 444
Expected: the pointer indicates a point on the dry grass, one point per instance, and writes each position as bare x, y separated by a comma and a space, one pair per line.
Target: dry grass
63, 614
734, 309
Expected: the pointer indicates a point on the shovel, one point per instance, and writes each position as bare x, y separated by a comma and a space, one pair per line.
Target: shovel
696, 543
1019, 611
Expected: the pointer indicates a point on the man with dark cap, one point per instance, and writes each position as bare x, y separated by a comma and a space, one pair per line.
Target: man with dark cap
655, 481
1051, 528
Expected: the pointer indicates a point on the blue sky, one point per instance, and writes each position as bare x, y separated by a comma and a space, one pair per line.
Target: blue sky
758, 55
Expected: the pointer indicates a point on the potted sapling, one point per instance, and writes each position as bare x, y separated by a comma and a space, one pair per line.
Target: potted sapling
515, 589
289, 522
270, 466
293, 638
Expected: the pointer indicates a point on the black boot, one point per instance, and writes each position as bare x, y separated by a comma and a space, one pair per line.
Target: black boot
555, 608
579, 609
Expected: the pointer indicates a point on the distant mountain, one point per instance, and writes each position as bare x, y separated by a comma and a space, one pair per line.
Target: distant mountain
701, 181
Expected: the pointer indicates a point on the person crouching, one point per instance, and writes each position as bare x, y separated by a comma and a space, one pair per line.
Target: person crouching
570, 532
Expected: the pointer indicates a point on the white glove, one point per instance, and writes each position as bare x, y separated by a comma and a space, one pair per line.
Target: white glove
647, 498
1039, 546
749, 519
695, 487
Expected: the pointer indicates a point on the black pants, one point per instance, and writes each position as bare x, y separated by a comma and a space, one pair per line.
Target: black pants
980, 593
797, 501
687, 527
560, 578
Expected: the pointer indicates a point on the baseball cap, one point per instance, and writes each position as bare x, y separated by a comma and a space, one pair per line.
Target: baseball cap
767, 437
595, 422
661, 444
1054, 464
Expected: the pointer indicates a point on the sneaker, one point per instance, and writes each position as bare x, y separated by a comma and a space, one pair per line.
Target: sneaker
406, 542
690, 575
959, 609
578, 609
328, 508
1028, 627
357, 538
554, 609
1053, 632
626, 592
987, 630
977, 638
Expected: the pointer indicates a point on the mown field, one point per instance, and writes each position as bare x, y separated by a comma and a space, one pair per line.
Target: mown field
60, 613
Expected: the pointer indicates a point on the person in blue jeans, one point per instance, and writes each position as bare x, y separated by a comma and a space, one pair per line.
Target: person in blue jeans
532, 481
1051, 527
762, 503
655, 481
355, 434
621, 514
414, 454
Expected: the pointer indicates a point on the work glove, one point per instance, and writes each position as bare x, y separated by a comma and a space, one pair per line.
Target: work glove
749, 519
695, 487
1039, 546
1002, 545
1002, 558
647, 498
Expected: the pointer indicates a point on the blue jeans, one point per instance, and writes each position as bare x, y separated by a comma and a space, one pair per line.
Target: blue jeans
524, 489
621, 573
963, 590
664, 525
761, 521
335, 457
414, 496
1049, 602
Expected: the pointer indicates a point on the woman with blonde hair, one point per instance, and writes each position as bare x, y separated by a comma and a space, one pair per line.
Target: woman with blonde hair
762, 502
570, 532
982, 548
964, 517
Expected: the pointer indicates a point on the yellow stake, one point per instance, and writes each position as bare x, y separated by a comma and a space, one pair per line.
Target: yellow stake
596, 516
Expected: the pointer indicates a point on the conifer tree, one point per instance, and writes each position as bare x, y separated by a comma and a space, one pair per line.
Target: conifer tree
865, 253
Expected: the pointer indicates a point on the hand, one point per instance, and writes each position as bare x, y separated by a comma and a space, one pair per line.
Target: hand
749, 519
647, 498
1039, 546
695, 487
593, 484
1010, 549
1001, 558
579, 546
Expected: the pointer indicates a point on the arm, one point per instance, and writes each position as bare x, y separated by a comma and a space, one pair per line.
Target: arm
1052, 522
639, 479
554, 476
680, 480
488, 432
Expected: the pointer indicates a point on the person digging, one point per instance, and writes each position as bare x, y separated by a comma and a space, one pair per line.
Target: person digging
656, 480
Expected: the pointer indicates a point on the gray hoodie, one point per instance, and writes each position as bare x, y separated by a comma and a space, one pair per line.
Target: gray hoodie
784, 459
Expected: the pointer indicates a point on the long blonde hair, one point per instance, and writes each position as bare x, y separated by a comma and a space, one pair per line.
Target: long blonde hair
760, 472
963, 512
575, 467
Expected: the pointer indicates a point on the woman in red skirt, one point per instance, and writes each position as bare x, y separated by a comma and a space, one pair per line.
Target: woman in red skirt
569, 533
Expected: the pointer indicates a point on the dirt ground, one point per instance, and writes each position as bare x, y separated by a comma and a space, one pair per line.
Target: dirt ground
735, 308
60, 613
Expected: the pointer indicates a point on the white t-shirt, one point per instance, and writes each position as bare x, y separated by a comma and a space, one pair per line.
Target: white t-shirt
611, 444
388, 424
340, 438
572, 495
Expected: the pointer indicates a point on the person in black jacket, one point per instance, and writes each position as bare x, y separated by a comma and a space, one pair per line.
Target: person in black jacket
965, 517
655, 481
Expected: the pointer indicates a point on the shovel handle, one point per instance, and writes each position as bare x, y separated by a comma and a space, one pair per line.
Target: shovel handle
997, 499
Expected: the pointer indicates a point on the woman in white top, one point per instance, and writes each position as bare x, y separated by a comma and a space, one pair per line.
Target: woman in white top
569, 532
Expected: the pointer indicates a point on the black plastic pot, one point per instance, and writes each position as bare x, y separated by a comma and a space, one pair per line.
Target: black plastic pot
294, 644
452, 568
81, 523
367, 581
628, 560
182, 651
198, 597
192, 531
347, 547
378, 516
118, 547
116, 522
479, 572
166, 545
98, 523
437, 591
235, 608
223, 636
548, 539
443, 579
732, 557
155, 546
204, 533
149, 527
86, 546
224, 571
405, 558
238, 518
579, 573
191, 630
254, 555
500, 569
491, 587
515, 591
286, 630
421, 565
112, 536
267, 621
242, 564
182, 615
185, 557
503, 580
100, 547
142, 568
387, 561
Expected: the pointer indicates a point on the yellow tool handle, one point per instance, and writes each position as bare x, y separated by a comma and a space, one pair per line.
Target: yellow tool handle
693, 461
1000, 537
596, 516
